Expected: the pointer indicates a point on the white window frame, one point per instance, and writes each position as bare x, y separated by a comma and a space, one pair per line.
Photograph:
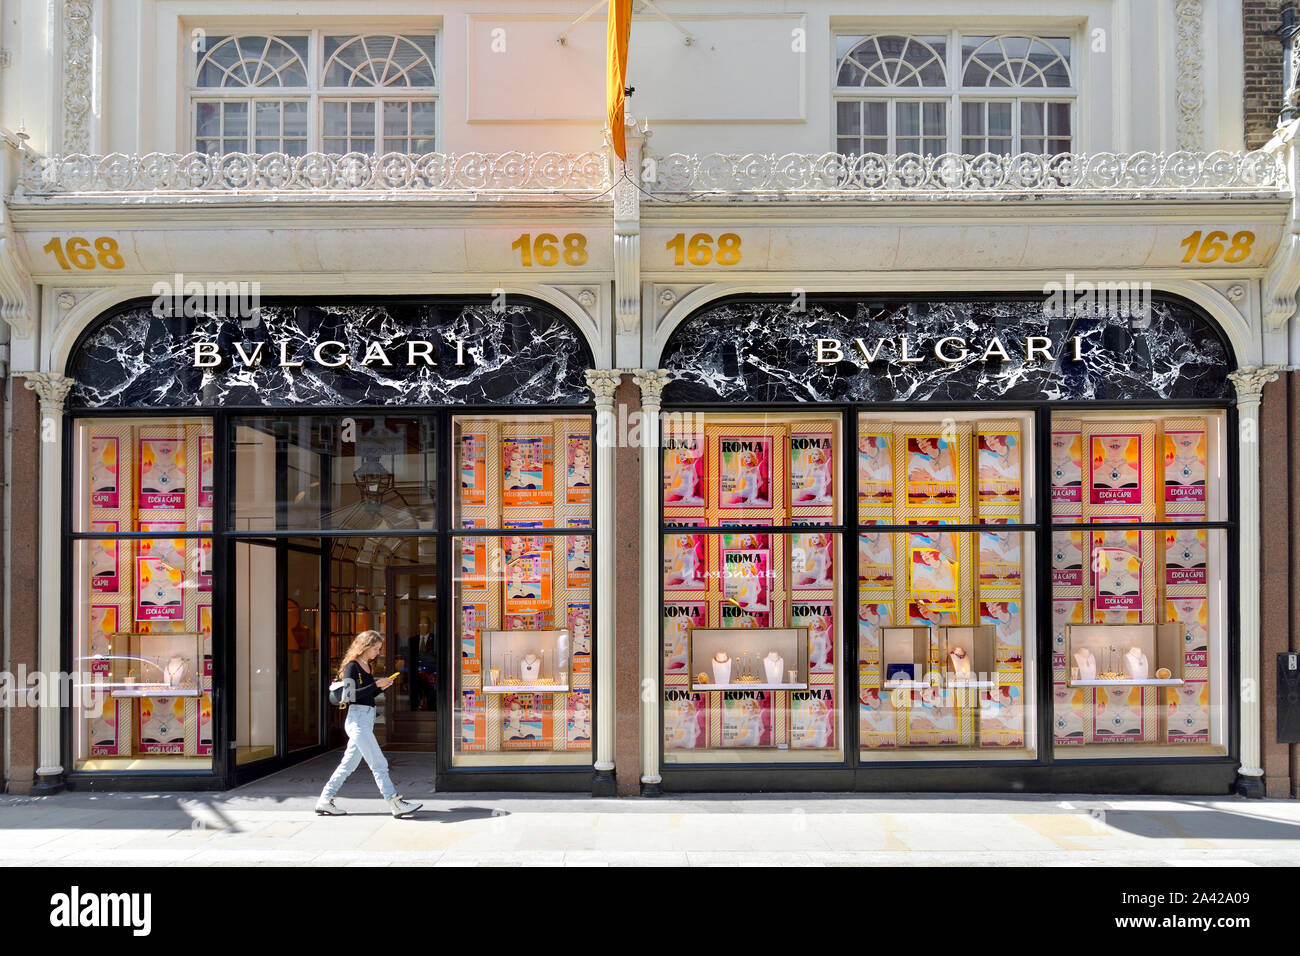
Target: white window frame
315, 94
955, 93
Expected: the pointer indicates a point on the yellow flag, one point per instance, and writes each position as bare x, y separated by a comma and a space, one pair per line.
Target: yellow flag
620, 26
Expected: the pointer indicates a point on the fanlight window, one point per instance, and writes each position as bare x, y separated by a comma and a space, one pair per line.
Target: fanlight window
1016, 62
379, 61
890, 61
253, 61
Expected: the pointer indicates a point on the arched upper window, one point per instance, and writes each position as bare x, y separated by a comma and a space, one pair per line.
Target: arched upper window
253, 61
380, 60
889, 61
1016, 61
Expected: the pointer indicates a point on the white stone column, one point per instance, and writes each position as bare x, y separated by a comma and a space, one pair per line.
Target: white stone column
652, 384
1250, 381
52, 388
603, 383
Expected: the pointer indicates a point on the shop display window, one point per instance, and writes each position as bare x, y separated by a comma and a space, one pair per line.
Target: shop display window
523, 614
1139, 614
752, 649
142, 606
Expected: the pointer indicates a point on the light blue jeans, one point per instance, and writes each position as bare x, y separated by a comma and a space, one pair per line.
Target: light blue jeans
360, 727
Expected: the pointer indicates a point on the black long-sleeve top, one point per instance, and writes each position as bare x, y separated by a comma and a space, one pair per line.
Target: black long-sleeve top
364, 681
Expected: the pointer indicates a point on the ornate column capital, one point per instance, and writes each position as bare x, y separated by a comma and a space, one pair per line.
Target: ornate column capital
1250, 380
603, 382
651, 382
51, 387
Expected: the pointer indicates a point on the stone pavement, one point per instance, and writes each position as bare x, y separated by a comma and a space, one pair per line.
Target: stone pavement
271, 821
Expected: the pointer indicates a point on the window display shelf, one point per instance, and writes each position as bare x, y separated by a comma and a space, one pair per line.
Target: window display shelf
748, 686
526, 689
155, 692
1129, 682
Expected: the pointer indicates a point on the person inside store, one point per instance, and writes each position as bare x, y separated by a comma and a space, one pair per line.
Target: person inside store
424, 676
362, 690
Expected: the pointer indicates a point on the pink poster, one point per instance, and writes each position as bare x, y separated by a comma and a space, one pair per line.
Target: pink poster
818, 617
1067, 468
577, 618
1186, 560
684, 470
1116, 470
812, 469
104, 487
747, 579
746, 718
812, 719
811, 557
1067, 558
162, 474
1185, 457
104, 570
159, 595
577, 471
684, 565
679, 618
745, 471
1117, 715
577, 564
205, 471
684, 716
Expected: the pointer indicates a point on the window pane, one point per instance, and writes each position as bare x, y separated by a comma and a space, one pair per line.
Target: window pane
396, 118
907, 116
848, 145
207, 119
235, 116
336, 118
1058, 118
936, 119
1031, 119
875, 118
999, 119
848, 118
295, 119
972, 119
268, 119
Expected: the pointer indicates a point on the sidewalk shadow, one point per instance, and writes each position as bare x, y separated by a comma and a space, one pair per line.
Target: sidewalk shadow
1199, 824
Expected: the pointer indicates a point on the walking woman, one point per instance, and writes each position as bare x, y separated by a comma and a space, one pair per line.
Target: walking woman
360, 727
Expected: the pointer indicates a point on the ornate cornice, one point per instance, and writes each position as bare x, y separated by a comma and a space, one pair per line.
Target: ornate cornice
77, 75
1250, 380
603, 383
651, 382
1189, 90
51, 387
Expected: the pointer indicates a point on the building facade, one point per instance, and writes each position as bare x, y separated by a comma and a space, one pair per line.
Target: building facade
911, 409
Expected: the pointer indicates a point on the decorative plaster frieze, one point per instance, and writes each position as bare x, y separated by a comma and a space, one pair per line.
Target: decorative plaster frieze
78, 59
1189, 89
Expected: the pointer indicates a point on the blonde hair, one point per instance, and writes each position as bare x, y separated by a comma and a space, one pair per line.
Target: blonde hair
360, 644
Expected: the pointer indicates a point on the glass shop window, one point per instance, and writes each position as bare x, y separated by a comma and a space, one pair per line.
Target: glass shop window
142, 606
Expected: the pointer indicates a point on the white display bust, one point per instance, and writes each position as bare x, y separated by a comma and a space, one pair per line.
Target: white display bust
960, 661
1086, 663
1135, 662
530, 668
721, 668
174, 673
773, 664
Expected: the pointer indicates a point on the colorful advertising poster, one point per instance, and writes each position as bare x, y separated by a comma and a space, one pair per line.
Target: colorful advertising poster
159, 596
104, 487
206, 459
162, 474
872, 616
1002, 717
577, 468
819, 618
1117, 715
733, 616
1119, 579
747, 579
683, 470
812, 723
746, 718
204, 748
528, 583
540, 621
812, 481
1116, 470
473, 469
526, 463
939, 613
162, 725
875, 471
472, 721
876, 560
1185, 557
1067, 467
1065, 611
999, 468
684, 568
1189, 713
1069, 714
684, 716
1008, 650
103, 625
577, 563
931, 471
473, 616
1185, 457
204, 582
1000, 559
578, 619
931, 720
473, 556
876, 719
103, 726
205, 637
932, 563
577, 730
745, 471
1067, 558
104, 573
526, 722
811, 557
1194, 614
679, 618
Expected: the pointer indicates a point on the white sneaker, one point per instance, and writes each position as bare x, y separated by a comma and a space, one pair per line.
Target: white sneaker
402, 808
327, 808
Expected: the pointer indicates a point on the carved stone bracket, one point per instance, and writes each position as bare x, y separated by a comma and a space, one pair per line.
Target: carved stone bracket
603, 382
1250, 380
17, 290
651, 382
51, 387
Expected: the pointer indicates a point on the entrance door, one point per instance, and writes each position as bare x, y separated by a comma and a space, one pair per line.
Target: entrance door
413, 651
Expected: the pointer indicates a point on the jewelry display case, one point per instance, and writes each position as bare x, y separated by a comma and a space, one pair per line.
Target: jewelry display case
517, 662
905, 656
756, 658
152, 665
1125, 655
966, 656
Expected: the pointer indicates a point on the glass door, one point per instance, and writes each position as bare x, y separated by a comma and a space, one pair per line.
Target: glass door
414, 650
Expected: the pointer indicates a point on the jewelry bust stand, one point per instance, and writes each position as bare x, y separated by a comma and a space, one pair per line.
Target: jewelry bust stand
721, 668
530, 668
773, 665
960, 662
1136, 664
1086, 663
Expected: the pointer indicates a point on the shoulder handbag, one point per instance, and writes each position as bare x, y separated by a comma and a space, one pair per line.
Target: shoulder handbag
340, 693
